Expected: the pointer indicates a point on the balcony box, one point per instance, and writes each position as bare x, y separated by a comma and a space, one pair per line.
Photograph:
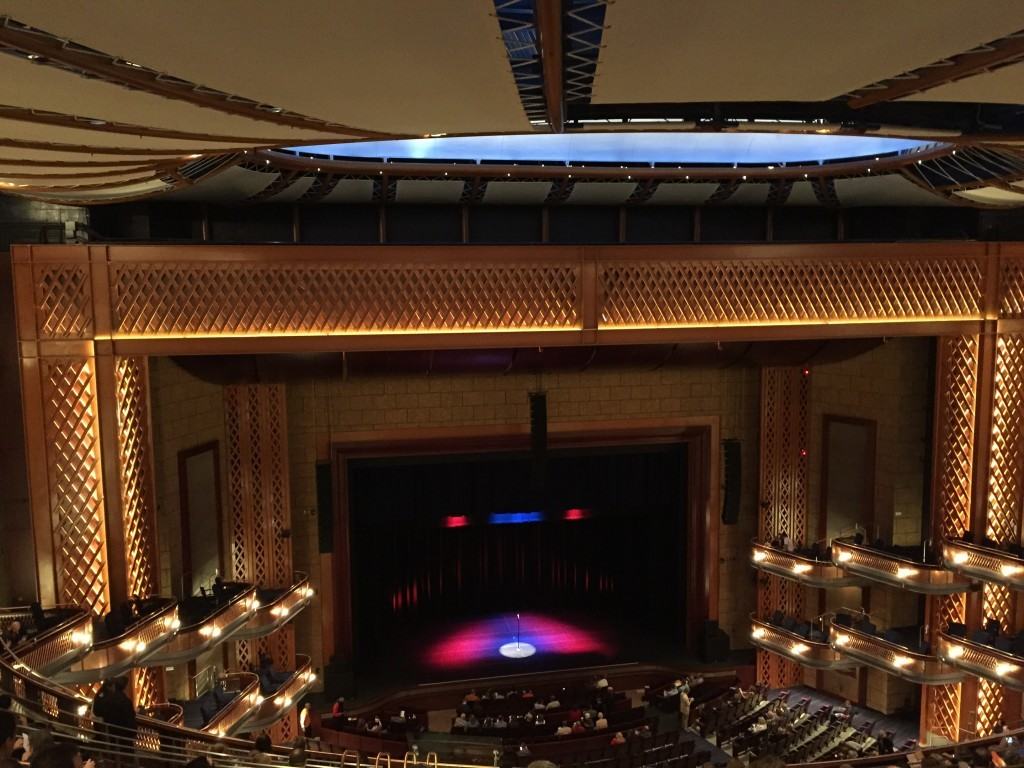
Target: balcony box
896, 571
797, 567
818, 655
891, 657
985, 563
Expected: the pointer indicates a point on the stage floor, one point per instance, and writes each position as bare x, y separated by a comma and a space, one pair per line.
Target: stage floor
470, 649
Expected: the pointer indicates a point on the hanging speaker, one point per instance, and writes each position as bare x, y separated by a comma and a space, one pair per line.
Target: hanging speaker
733, 472
539, 446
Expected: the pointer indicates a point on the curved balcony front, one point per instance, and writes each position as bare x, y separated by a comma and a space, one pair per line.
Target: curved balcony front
209, 629
245, 689
985, 563
276, 607
799, 567
888, 655
896, 570
816, 654
983, 660
114, 656
272, 707
63, 636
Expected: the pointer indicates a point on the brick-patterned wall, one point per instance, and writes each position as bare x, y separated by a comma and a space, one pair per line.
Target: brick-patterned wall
186, 412
410, 402
890, 385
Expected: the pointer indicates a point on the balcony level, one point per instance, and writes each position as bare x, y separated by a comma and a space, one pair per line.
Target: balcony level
276, 607
897, 651
122, 642
997, 658
814, 569
274, 705
53, 638
986, 562
223, 705
206, 622
902, 567
798, 640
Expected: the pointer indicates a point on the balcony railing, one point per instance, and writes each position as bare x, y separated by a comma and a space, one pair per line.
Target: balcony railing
196, 639
891, 657
896, 571
116, 655
984, 563
806, 570
810, 653
56, 647
272, 708
231, 717
277, 612
982, 660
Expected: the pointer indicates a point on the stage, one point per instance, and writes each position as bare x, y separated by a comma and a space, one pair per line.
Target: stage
470, 650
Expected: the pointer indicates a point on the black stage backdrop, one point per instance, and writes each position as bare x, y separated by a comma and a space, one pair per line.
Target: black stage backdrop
609, 542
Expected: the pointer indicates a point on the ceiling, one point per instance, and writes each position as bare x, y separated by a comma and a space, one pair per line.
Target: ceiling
193, 100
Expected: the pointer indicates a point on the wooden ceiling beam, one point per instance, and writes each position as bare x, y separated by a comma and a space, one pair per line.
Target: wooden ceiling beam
548, 15
53, 50
999, 53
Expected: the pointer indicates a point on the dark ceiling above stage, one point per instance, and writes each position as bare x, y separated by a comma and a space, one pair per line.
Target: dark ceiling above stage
239, 369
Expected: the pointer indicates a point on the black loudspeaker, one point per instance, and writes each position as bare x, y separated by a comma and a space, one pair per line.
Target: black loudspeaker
324, 508
714, 643
538, 423
539, 447
733, 472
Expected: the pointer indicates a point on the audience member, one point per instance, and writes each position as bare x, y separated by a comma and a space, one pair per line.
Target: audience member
338, 708
8, 726
618, 739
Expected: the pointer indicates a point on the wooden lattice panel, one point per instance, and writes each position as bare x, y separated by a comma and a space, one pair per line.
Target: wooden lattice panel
257, 456
311, 298
1004, 488
136, 474
1011, 289
784, 425
959, 371
63, 301
76, 492
774, 290
990, 706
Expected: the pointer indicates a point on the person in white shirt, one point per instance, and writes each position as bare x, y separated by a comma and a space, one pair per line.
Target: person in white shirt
602, 682
554, 704
601, 723
563, 729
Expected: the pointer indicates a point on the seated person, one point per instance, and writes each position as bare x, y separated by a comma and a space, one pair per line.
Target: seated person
563, 729
460, 721
602, 682
601, 722
578, 728
554, 703
376, 726
618, 739
471, 697
270, 678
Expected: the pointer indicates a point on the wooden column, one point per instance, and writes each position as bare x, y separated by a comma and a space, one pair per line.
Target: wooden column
785, 416
260, 513
956, 397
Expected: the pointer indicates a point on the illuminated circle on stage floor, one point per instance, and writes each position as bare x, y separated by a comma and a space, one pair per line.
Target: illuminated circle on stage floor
540, 636
515, 650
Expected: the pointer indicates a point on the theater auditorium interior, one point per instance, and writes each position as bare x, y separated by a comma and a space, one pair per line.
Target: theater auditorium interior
585, 383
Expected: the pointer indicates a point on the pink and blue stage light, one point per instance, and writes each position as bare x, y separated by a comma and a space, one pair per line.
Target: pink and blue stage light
481, 640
